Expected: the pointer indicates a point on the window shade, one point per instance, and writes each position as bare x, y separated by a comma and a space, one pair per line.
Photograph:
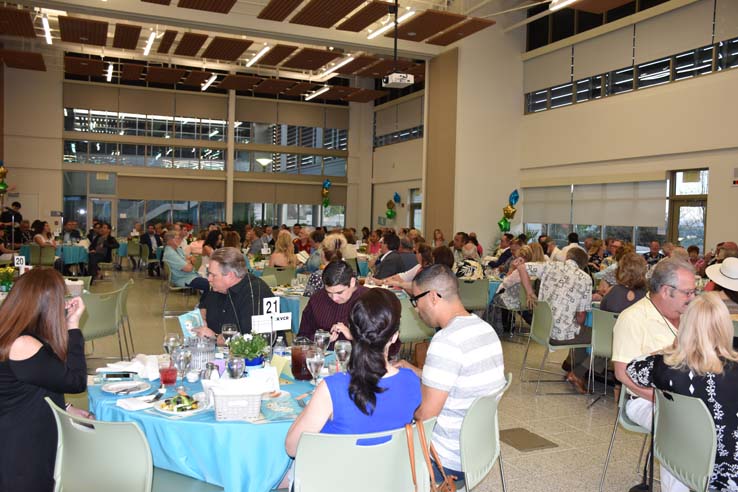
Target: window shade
160, 103
385, 121
337, 118
102, 98
588, 55
301, 115
248, 109
201, 106
621, 204
726, 20
680, 30
410, 114
547, 205
547, 70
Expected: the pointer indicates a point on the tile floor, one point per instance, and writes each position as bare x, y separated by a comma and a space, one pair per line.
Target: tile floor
582, 434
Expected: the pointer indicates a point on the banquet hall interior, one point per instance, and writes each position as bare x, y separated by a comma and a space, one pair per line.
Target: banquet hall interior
611, 118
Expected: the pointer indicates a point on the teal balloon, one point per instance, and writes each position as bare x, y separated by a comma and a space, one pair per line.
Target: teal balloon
514, 197
396, 197
391, 214
504, 224
327, 184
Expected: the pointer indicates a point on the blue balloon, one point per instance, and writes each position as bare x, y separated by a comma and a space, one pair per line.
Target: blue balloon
514, 197
396, 197
327, 184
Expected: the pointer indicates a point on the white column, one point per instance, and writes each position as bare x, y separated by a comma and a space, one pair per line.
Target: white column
230, 155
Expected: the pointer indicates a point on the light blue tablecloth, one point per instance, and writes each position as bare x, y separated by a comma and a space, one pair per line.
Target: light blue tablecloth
363, 268
291, 304
71, 254
122, 249
238, 456
493, 286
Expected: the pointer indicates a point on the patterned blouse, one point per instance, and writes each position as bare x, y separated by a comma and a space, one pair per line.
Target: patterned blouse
718, 391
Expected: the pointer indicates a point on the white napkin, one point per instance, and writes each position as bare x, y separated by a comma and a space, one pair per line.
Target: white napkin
146, 366
259, 380
135, 403
85, 243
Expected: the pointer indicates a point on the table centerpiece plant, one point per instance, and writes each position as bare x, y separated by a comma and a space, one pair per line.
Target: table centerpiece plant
7, 276
252, 348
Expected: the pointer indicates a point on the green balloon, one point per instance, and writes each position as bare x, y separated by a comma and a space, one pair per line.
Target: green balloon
3, 186
391, 214
504, 224
326, 202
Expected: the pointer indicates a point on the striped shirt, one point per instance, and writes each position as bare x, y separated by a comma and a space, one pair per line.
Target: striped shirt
465, 360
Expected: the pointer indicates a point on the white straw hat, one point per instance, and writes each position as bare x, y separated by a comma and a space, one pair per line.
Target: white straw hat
725, 274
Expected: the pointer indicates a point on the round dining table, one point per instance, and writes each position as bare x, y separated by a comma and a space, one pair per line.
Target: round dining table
71, 254
237, 455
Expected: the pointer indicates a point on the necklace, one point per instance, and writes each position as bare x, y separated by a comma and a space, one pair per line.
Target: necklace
668, 325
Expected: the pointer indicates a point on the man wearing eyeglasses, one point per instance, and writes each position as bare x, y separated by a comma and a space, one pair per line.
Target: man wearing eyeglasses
649, 325
464, 361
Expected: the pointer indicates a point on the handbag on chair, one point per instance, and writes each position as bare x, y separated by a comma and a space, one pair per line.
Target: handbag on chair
449, 481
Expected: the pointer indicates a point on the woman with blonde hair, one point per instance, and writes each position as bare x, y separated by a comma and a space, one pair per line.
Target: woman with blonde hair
536, 252
333, 247
596, 255
701, 364
284, 252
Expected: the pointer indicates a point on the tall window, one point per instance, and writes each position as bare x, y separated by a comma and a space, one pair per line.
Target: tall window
688, 207
416, 209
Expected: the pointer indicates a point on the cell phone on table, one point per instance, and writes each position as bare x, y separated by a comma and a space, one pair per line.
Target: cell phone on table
117, 376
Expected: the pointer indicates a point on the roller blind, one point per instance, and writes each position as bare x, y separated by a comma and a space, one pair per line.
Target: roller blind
146, 102
301, 115
103, 98
144, 188
385, 121
253, 192
547, 205
623, 204
547, 70
726, 20
201, 106
604, 53
256, 111
410, 114
338, 195
337, 118
299, 193
198, 190
680, 30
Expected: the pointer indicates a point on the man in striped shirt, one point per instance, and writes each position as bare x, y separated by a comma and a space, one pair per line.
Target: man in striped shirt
464, 361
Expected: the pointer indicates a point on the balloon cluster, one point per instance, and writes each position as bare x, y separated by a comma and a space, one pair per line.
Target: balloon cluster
3, 184
508, 212
324, 192
391, 213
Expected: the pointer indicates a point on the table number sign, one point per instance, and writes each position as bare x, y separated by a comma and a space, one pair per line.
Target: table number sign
272, 320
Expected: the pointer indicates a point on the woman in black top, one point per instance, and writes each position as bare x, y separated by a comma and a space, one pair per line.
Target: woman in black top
704, 365
41, 354
631, 284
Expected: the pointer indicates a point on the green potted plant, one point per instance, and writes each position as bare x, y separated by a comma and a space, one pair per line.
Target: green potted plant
252, 348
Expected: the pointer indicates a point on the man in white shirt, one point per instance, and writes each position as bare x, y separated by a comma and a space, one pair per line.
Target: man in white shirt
573, 239
649, 325
464, 361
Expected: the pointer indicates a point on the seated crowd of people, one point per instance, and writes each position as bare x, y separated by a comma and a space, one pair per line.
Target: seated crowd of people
666, 336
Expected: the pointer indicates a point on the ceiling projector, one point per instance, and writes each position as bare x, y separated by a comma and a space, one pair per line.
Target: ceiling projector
397, 81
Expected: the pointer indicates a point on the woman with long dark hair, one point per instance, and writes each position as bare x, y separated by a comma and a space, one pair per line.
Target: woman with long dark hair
41, 354
373, 396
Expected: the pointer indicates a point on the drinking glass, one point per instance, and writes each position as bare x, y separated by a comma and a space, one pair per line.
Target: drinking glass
171, 342
228, 330
181, 357
343, 353
322, 339
167, 373
315, 361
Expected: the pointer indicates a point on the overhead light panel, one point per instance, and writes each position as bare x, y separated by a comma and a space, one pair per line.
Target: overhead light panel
559, 4
264, 161
320, 91
338, 65
47, 28
390, 25
256, 57
209, 82
149, 43
109, 74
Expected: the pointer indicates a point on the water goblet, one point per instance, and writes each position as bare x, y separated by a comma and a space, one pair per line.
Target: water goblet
228, 330
181, 358
343, 353
315, 361
322, 339
171, 342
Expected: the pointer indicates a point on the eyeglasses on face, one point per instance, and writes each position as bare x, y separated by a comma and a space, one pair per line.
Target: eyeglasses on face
414, 299
688, 293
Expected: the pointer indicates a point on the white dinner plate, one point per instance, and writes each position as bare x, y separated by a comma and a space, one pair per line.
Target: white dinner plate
202, 408
122, 387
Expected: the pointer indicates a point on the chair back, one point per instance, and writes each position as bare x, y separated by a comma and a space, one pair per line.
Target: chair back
685, 439
93, 455
101, 315
198, 262
474, 293
134, 248
412, 328
270, 280
360, 467
34, 256
623, 418
603, 323
145, 252
354, 264
735, 329
47, 256
540, 330
123, 299
479, 439
284, 275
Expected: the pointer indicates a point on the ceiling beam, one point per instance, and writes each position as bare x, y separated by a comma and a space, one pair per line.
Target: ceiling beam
239, 24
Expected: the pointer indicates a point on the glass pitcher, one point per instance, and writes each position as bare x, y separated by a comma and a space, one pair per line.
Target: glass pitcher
300, 346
